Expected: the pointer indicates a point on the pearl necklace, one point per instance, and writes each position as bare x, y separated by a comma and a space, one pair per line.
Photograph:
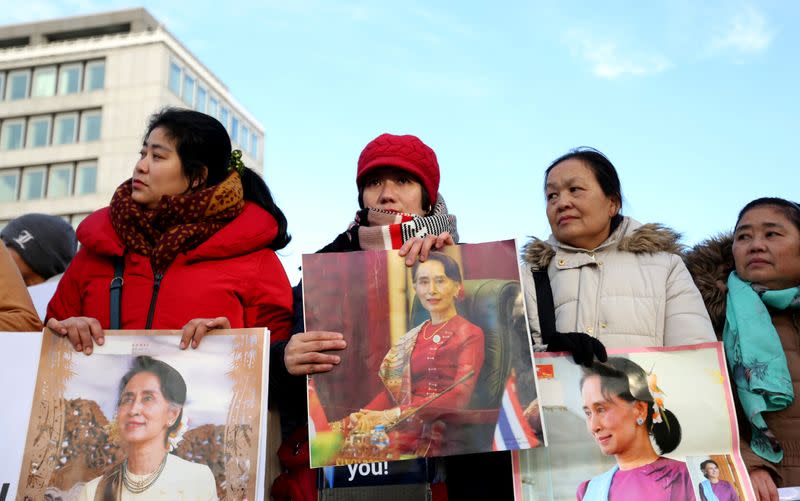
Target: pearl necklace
139, 486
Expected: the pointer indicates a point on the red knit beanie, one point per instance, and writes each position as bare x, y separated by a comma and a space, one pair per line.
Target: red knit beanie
407, 153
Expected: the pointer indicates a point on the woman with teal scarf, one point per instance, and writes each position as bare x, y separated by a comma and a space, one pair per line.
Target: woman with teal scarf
755, 303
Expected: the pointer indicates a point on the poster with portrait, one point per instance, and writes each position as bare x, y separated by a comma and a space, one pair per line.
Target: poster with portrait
19, 358
438, 360
648, 420
141, 415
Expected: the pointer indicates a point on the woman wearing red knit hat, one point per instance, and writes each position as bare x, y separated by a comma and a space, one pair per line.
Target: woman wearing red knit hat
400, 208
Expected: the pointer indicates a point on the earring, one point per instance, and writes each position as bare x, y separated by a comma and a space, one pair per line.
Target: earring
639, 421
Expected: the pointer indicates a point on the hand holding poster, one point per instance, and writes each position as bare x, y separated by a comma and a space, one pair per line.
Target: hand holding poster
140, 415
652, 423
437, 359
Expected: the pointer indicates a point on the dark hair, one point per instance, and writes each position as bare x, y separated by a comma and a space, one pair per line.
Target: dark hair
204, 147
789, 209
451, 269
603, 170
706, 463
173, 387
625, 379
427, 208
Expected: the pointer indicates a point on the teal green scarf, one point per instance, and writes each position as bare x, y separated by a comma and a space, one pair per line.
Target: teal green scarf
756, 358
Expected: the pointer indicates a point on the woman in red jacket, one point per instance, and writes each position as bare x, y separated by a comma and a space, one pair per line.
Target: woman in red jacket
195, 232
430, 374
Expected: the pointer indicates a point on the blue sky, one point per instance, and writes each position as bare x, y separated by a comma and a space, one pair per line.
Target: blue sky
696, 103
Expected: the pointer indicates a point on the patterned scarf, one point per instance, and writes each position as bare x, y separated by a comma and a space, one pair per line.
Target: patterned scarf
377, 229
179, 223
757, 359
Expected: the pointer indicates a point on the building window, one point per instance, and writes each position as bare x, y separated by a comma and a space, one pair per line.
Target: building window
223, 117
213, 107
175, 78
38, 131
244, 135
234, 129
59, 181
95, 75
17, 85
202, 94
77, 219
12, 134
2, 85
86, 178
9, 184
69, 78
66, 128
90, 125
188, 90
33, 180
254, 145
44, 81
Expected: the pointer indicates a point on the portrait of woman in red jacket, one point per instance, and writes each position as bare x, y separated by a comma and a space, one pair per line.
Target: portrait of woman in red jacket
194, 233
430, 373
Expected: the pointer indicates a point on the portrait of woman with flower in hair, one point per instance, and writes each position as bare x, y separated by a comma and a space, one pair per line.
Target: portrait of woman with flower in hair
625, 413
148, 425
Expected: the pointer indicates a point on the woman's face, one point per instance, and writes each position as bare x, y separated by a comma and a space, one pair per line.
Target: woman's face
766, 249
436, 291
611, 421
577, 209
711, 471
144, 414
159, 170
393, 189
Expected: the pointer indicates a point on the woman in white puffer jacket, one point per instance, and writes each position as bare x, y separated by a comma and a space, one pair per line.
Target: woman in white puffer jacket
613, 279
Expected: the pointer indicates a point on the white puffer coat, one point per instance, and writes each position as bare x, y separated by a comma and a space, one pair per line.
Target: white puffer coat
631, 291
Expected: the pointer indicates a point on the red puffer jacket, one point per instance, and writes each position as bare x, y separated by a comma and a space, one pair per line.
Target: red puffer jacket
232, 274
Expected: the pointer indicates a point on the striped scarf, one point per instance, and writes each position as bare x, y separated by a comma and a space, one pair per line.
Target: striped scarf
377, 229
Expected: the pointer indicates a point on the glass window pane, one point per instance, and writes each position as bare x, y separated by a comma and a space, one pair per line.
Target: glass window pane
90, 125
235, 129
17, 86
32, 183
65, 128
201, 100
9, 180
86, 178
59, 181
44, 81
244, 136
38, 132
188, 90
77, 219
212, 107
95, 75
12, 134
2, 85
254, 145
175, 78
69, 79
223, 117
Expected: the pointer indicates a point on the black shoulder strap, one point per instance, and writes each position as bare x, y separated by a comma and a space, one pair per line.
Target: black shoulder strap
544, 304
115, 293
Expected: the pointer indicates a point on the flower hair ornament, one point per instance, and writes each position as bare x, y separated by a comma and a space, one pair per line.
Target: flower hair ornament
176, 435
235, 163
659, 416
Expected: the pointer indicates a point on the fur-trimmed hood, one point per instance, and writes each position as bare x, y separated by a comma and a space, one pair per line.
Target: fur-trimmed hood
630, 236
710, 262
